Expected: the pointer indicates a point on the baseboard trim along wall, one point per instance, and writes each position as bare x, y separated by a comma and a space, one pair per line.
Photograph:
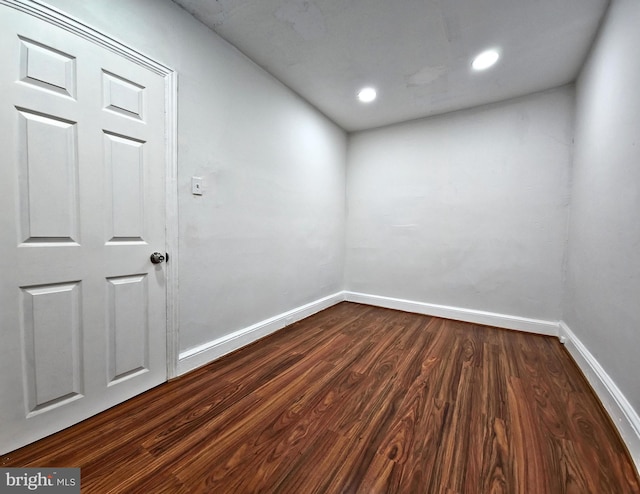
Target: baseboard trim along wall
538, 326
622, 414
208, 352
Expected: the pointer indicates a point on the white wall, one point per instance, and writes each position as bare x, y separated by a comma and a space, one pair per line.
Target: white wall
467, 209
602, 299
267, 235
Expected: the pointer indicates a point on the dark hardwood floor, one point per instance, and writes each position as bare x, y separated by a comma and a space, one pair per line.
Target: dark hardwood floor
358, 399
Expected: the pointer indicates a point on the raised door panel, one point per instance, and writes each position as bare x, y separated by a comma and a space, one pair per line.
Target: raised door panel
48, 178
125, 188
127, 327
52, 366
47, 68
123, 96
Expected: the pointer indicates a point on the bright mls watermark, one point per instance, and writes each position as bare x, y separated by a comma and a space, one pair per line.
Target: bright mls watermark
47, 480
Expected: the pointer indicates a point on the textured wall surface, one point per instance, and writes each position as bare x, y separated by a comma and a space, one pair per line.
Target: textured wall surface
467, 209
602, 297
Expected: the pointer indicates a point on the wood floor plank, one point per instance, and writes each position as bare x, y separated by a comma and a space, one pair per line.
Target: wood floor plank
497, 471
527, 443
358, 399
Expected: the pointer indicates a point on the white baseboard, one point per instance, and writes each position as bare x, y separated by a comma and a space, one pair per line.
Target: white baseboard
203, 354
623, 415
537, 326
208, 352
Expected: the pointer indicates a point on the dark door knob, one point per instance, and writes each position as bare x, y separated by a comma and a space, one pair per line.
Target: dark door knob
157, 258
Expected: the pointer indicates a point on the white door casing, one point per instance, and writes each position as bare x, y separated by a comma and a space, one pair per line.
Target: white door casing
86, 145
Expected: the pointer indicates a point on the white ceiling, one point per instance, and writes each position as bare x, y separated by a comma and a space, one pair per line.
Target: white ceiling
416, 53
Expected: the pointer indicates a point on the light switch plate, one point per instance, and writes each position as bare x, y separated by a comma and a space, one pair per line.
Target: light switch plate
196, 186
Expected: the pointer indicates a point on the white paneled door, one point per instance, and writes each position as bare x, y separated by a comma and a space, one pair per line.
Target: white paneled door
82, 208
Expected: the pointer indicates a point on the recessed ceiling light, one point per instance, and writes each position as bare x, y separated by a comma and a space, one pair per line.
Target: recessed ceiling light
485, 60
367, 94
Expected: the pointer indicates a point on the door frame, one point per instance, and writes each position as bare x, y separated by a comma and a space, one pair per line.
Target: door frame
62, 20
